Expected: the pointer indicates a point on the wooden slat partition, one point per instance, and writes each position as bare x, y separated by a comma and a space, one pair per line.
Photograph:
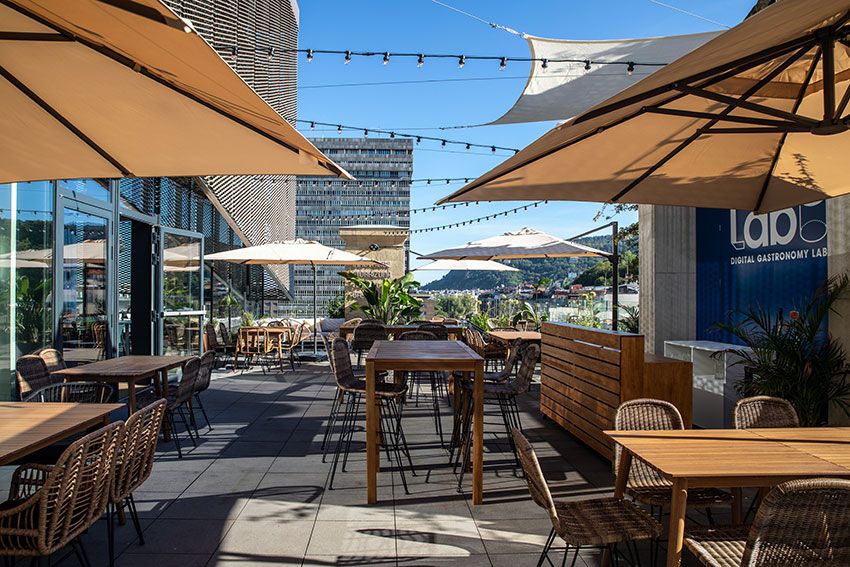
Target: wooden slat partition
587, 373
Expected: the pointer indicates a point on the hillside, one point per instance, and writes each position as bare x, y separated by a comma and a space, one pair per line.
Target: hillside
532, 270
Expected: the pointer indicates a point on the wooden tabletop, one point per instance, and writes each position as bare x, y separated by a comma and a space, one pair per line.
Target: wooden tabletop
509, 336
28, 427
124, 368
436, 355
724, 457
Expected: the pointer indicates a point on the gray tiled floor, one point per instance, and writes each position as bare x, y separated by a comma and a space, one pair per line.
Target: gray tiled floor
254, 491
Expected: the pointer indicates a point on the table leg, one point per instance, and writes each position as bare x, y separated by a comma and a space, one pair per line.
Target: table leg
676, 534
163, 382
131, 396
372, 446
478, 435
737, 506
623, 469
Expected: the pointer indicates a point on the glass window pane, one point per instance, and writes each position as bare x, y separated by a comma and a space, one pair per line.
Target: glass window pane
83, 323
92, 188
181, 260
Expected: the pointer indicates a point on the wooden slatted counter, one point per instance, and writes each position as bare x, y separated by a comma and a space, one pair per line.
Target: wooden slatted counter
587, 373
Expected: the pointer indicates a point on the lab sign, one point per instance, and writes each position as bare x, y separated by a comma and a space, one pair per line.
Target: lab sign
775, 260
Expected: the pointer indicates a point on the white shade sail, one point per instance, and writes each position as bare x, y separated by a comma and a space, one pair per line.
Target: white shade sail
92, 88
756, 119
296, 251
467, 266
563, 90
524, 243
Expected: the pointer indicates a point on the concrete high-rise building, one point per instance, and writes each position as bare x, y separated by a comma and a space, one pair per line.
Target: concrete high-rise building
379, 195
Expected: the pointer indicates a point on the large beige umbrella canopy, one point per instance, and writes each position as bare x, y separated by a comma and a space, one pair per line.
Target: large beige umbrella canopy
93, 88
296, 251
466, 266
754, 119
523, 243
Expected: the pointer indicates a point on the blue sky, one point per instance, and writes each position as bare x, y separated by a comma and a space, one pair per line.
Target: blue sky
483, 94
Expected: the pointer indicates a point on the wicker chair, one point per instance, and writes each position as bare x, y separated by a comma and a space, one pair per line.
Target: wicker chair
505, 395
180, 398
438, 329
645, 484
52, 358
801, 522
390, 399
437, 379
596, 523
365, 335
226, 350
251, 345
75, 392
49, 506
761, 412
133, 466
201, 385
32, 374
348, 327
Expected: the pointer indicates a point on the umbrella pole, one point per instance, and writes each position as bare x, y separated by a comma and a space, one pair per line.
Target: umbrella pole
615, 278
315, 330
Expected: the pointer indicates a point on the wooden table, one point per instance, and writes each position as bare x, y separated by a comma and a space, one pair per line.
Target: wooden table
127, 369
511, 336
424, 356
724, 458
27, 427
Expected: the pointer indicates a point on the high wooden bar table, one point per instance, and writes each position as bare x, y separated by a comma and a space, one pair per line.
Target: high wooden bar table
26, 427
129, 370
730, 458
423, 356
451, 332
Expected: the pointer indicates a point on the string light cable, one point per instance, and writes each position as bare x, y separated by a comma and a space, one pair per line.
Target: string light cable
340, 128
479, 219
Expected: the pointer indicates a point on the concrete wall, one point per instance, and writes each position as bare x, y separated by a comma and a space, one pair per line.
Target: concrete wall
838, 222
667, 274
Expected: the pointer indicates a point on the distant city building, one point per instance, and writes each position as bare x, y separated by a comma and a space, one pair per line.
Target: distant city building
379, 195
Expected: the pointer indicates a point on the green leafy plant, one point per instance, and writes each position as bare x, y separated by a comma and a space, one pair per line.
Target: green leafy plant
793, 356
31, 300
629, 318
480, 320
248, 319
526, 312
390, 300
589, 312
336, 307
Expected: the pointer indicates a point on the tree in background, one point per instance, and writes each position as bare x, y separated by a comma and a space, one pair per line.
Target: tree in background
461, 306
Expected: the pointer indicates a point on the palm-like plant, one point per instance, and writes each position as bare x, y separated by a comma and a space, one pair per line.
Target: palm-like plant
388, 300
793, 357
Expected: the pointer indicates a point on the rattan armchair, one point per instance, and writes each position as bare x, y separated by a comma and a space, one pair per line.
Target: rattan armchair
760, 412
595, 523
76, 392
52, 358
133, 466
32, 374
365, 335
49, 506
801, 522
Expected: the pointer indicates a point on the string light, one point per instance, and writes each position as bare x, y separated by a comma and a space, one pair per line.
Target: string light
386, 58
503, 63
587, 64
347, 57
630, 69
420, 61
309, 56
461, 61
476, 220
544, 63
418, 137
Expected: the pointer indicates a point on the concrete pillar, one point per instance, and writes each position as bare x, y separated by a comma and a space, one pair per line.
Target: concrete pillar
667, 275
838, 230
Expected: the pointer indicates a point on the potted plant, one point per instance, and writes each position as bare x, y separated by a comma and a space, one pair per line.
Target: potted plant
793, 356
390, 301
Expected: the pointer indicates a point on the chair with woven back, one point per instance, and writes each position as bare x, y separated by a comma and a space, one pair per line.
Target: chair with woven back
133, 466
32, 374
365, 335
288, 347
645, 484
251, 344
438, 329
213, 344
52, 358
179, 399
50, 506
601, 523
346, 330
73, 392
800, 522
202, 383
759, 412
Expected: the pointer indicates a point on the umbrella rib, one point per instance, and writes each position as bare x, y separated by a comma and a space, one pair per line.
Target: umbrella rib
803, 87
43, 104
693, 137
760, 108
721, 117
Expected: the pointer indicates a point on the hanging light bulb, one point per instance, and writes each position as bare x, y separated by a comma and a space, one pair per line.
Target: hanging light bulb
587, 64
347, 57
503, 63
420, 61
461, 61
339, 129
312, 125
493, 149
392, 134
386, 57
271, 52
365, 133
631, 68
468, 146
443, 143
428, 182
309, 56
418, 139
545, 64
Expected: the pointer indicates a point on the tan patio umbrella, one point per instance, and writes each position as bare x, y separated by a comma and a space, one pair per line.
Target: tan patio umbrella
466, 266
530, 243
754, 119
296, 251
121, 88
